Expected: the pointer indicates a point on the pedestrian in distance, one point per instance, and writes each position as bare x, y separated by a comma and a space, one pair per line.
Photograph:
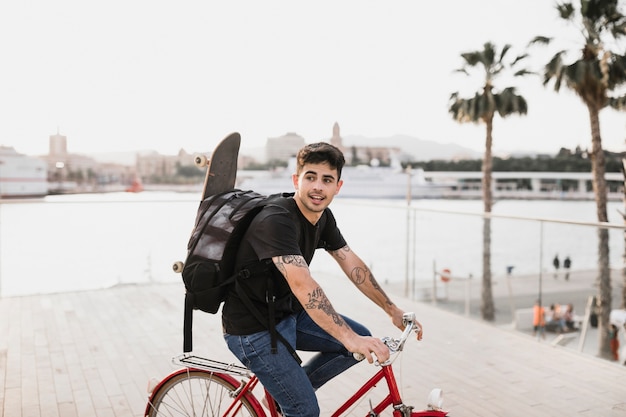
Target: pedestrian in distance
539, 320
284, 237
555, 321
567, 264
556, 264
614, 341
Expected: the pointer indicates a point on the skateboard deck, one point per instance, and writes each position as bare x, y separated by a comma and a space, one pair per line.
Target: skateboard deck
221, 170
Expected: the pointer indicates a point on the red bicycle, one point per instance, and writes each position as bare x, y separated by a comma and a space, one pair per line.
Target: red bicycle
205, 387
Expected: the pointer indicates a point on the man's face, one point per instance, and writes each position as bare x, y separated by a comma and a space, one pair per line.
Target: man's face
316, 186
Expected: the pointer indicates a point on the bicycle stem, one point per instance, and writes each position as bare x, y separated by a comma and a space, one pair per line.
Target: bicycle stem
395, 345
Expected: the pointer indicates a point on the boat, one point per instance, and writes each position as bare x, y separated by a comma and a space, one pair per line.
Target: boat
363, 181
22, 176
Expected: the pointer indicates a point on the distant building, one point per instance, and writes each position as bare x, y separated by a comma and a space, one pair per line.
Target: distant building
155, 165
57, 145
367, 155
284, 147
69, 171
63, 166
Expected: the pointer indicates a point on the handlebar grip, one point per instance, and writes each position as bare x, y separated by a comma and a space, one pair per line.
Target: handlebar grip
358, 356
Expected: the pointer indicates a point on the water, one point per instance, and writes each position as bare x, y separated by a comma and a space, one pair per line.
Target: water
80, 242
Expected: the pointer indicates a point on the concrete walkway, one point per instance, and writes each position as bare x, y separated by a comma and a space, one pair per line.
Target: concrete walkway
92, 354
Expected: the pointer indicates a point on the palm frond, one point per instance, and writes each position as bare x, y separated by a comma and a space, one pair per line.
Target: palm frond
508, 102
471, 58
543, 40
618, 103
488, 54
524, 72
617, 71
554, 69
566, 11
519, 58
505, 49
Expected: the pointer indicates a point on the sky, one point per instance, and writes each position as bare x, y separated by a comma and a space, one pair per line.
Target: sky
126, 75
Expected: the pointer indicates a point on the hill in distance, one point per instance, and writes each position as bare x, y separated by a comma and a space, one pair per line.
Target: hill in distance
412, 148
416, 149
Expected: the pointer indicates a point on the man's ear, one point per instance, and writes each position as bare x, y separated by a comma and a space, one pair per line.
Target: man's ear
339, 184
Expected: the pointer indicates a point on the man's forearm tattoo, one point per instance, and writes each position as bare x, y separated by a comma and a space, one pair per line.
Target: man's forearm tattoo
360, 274
340, 253
318, 301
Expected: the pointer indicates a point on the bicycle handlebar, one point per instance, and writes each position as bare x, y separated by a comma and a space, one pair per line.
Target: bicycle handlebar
396, 345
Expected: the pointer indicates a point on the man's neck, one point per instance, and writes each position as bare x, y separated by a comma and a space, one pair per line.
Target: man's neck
312, 216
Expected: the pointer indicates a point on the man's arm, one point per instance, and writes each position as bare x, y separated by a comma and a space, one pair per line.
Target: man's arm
312, 297
362, 277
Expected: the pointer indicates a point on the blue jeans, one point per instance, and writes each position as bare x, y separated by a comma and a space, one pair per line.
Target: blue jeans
293, 386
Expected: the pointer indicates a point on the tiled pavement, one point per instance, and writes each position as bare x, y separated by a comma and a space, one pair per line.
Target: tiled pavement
92, 353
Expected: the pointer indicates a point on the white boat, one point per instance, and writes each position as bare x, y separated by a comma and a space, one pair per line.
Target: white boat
22, 175
358, 182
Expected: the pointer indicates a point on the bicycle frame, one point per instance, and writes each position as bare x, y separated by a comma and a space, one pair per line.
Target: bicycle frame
244, 389
393, 398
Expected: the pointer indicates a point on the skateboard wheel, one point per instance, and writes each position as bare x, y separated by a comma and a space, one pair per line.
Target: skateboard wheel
178, 267
201, 161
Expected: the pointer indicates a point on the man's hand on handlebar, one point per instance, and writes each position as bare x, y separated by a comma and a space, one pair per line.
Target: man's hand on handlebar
367, 345
397, 319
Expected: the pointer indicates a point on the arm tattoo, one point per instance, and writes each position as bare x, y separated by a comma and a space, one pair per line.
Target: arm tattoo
360, 274
318, 301
296, 260
339, 253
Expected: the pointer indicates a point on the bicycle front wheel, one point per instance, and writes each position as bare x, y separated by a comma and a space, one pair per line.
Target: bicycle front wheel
198, 394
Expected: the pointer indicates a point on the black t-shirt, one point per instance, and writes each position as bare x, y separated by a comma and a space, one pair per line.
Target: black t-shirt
279, 229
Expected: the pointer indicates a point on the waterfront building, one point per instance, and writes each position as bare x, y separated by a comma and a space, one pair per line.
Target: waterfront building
21, 175
284, 147
367, 155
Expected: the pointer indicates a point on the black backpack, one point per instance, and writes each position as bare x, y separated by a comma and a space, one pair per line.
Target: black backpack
208, 271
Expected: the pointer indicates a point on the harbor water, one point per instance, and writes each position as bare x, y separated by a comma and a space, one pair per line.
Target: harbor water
80, 242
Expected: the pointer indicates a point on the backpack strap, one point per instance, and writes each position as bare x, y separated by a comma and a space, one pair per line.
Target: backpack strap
269, 324
190, 302
188, 323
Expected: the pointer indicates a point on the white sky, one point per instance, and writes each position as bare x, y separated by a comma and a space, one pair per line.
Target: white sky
124, 75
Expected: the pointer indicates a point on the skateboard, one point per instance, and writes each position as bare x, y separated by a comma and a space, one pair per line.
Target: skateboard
221, 172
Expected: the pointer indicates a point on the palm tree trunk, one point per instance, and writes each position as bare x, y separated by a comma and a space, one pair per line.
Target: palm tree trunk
604, 272
623, 305
487, 308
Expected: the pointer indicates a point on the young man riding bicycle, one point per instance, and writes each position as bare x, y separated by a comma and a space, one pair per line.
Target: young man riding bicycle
285, 237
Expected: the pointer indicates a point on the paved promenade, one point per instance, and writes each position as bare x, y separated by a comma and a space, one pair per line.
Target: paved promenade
92, 353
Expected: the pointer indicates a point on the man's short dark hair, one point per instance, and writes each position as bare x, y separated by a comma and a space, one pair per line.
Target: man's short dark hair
319, 153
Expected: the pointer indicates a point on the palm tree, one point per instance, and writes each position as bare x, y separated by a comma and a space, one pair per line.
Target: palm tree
595, 72
481, 109
623, 304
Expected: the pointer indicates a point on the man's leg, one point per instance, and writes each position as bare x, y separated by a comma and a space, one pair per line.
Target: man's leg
279, 373
333, 358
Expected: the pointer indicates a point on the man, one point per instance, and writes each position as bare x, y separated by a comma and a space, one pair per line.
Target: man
556, 264
539, 319
288, 234
567, 264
